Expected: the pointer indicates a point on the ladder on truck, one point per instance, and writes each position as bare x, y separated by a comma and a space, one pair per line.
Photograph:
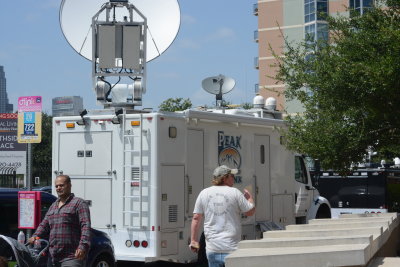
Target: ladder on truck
135, 191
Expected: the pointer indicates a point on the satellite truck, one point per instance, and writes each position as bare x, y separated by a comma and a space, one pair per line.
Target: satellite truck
141, 171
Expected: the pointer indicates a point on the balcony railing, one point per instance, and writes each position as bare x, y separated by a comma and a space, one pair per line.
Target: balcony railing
256, 66
255, 9
256, 36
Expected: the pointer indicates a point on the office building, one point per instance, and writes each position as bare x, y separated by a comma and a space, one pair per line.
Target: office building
5, 106
294, 19
67, 106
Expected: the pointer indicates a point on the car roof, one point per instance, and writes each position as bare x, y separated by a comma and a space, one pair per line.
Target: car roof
11, 193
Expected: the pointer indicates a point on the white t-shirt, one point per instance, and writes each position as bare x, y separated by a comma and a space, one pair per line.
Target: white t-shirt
222, 207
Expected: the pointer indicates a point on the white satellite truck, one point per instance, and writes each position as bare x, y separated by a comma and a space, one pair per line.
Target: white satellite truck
141, 172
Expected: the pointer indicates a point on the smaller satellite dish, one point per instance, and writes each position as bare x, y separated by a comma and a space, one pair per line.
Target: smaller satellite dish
218, 85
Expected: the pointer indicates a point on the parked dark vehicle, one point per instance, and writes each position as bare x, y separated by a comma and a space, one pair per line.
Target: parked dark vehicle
46, 188
364, 190
101, 253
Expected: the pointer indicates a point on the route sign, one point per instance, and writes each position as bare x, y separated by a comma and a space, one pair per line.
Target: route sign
29, 119
29, 209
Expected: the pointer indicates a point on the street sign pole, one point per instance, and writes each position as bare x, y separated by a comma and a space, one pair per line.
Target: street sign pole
29, 167
29, 131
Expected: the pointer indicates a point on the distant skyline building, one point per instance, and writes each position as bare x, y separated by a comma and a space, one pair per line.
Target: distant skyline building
296, 20
5, 106
67, 106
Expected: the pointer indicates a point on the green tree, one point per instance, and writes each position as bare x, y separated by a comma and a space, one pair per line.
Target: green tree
175, 104
349, 88
41, 152
247, 105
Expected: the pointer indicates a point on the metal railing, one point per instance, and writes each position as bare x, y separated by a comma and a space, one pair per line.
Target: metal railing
255, 9
256, 65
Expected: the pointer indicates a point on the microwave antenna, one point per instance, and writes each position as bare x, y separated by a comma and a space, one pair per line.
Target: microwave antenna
119, 37
218, 86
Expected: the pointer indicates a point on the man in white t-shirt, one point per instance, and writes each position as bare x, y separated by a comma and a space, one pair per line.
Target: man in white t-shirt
221, 206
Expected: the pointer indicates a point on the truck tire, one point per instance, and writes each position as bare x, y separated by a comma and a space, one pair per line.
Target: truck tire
323, 212
103, 261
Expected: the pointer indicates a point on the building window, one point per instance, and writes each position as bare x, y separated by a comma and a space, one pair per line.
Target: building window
359, 7
322, 9
322, 31
309, 10
310, 32
315, 10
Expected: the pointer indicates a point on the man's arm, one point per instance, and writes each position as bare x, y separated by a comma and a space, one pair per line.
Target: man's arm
84, 221
43, 229
196, 222
250, 199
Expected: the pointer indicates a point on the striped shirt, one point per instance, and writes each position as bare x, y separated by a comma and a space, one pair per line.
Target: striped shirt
67, 228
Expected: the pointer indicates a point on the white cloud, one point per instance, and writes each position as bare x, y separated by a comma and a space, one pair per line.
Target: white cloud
222, 33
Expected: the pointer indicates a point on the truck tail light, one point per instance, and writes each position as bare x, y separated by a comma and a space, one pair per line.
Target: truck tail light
145, 244
136, 243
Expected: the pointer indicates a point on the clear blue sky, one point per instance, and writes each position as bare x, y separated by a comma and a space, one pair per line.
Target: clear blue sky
215, 37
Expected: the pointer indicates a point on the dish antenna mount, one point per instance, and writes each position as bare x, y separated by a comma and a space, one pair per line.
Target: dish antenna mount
218, 86
119, 38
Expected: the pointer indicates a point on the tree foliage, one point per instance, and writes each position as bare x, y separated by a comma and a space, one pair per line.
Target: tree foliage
175, 104
41, 152
247, 105
349, 87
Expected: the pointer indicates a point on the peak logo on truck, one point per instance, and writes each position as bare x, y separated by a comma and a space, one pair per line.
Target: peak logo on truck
228, 150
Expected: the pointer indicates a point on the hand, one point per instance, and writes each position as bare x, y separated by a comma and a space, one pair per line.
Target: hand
194, 246
80, 254
247, 194
31, 240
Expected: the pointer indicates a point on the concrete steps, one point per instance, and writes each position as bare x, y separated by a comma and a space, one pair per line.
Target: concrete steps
385, 262
348, 241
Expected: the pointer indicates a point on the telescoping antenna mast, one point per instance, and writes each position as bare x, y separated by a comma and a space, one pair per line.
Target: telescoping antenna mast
120, 38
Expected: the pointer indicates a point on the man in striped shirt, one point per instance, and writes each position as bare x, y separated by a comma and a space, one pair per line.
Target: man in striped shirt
66, 226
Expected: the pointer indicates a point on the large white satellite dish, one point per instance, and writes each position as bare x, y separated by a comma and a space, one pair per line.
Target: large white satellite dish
163, 21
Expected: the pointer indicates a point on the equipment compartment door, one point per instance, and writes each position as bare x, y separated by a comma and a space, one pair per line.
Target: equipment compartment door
98, 153
172, 196
85, 153
97, 193
71, 153
263, 180
282, 209
195, 167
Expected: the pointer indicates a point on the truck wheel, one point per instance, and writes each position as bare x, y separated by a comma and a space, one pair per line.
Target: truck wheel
323, 212
103, 261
